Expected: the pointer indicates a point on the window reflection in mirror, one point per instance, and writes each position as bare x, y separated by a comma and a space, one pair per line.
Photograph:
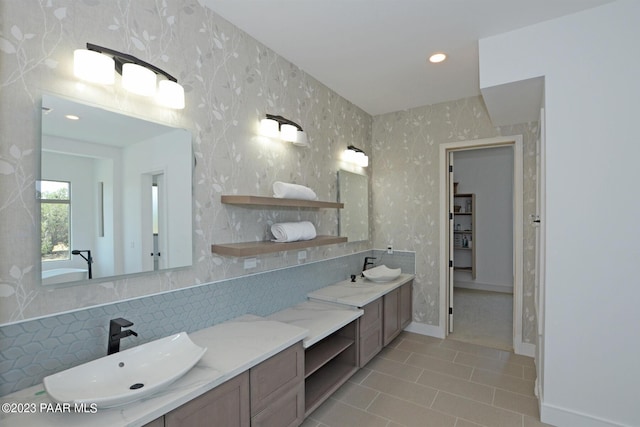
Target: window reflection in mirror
130, 182
353, 191
55, 220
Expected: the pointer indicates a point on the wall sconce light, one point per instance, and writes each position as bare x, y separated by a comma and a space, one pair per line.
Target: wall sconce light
97, 64
355, 155
279, 127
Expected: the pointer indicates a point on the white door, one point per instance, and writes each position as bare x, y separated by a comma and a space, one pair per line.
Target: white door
540, 254
450, 239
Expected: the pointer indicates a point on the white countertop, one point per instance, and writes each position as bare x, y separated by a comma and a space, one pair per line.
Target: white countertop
360, 293
232, 348
321, 319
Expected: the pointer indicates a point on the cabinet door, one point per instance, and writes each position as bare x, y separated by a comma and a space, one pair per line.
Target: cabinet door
391, 321
370, 335
275, 377
287, 411
225, 406
406, 304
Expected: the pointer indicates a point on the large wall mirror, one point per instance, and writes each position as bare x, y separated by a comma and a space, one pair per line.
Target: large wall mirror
115, 194
353, 191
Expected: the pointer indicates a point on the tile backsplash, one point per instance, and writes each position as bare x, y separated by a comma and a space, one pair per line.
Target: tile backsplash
33, 349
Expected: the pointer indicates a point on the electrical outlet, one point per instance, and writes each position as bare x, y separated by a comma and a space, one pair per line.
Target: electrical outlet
390, 250
302, 255
250, 263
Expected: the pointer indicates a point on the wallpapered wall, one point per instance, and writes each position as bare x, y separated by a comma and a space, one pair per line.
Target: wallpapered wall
406, 191
231, 81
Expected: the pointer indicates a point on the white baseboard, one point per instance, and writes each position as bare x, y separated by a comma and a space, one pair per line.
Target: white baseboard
557, 416
524, 349
424, 329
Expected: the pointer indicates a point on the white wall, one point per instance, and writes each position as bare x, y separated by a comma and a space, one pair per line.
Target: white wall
162, 154
590, 63
488, 173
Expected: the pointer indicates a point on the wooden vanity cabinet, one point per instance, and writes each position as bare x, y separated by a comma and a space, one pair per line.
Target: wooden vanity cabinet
226, 405
277, 389
271, 394
370, 334
397, 309
329, 363
406, 304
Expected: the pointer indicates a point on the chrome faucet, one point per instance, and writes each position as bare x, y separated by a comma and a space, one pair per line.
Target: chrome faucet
367, 263
116, 333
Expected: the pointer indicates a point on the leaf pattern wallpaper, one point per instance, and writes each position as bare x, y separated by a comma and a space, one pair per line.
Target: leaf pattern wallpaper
406, 211
231, 81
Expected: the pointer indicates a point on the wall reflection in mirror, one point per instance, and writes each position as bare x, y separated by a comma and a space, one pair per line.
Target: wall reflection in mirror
115, 194
353, 191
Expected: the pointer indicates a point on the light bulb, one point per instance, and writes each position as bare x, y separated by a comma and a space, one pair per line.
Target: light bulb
93, 66
289, 133
269, 128
138, 79
171, 94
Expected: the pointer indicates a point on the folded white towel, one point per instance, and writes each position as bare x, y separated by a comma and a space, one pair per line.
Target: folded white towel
293, 231
284, 190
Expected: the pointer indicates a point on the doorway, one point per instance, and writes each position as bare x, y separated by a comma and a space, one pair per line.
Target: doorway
483, 246
153, 221
447, 273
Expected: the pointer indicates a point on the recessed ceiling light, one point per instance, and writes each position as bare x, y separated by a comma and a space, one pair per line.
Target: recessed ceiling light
72, 117
437, 57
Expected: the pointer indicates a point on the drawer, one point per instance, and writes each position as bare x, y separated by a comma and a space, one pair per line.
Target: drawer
370, 345
275, 377
227, 404
287, 411
372, 317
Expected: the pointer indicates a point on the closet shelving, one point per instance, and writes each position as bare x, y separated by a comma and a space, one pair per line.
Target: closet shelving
245, 249
464, 255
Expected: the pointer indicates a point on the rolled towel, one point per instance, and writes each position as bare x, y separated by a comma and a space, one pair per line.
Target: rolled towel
293, 231
285, 190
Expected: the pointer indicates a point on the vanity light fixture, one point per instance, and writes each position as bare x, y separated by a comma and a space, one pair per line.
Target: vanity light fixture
285, 129
355, 155
96, 64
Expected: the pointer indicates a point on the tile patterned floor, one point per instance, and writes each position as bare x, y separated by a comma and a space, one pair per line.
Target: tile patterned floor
420, 381
484, 318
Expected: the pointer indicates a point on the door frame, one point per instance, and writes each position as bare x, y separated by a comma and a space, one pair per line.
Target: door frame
516, 141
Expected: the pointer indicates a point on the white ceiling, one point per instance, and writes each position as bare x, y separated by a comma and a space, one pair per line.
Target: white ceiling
374, 52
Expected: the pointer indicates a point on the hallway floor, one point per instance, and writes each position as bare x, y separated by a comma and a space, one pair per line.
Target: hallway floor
482, 317
421, 381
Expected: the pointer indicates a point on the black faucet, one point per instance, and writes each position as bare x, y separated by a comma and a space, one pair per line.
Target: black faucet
87, 258
367, 263
116, 333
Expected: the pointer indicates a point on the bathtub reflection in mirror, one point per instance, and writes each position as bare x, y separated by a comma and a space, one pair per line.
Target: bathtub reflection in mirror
115, 185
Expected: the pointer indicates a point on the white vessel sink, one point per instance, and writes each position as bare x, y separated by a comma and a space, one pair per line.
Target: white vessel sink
127, 376
382, 273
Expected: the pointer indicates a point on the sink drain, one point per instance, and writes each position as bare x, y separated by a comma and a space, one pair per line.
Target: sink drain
136, 386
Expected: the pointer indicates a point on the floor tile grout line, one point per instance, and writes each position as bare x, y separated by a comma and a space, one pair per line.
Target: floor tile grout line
438, 391
492, 387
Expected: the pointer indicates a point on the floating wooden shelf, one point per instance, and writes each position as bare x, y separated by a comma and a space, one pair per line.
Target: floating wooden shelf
256, 248
276, 202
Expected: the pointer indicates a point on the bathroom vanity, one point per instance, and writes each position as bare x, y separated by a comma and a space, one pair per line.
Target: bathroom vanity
257, 371
266, 352
387, 308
